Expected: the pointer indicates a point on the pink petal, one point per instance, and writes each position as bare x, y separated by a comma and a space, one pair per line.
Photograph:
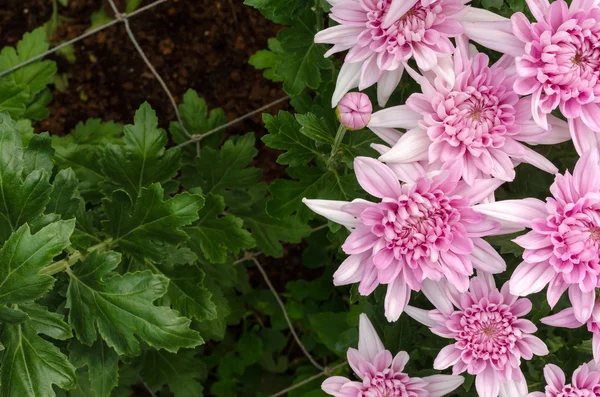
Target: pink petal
400, 361
351, 269
487, 383
590, 114
420, 315
413, 146
332, 210
533, 240
586, 175
436, 292
357, 362
478, 191
441, 385
395, 117
396, 11
564, 319
359, 241
370, 73
376, 178
583, 302
555, 377
583, 136
447, 357
332, 385
382, 360
514, 212
347, 79
538, 8
485, 257
369, 344
537, 160
556, 288
536, 345
396, 299
387, 84
529, 278
596, 346
503, 40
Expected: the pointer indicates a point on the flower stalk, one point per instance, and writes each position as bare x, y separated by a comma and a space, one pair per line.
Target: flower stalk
339, 137
73, 257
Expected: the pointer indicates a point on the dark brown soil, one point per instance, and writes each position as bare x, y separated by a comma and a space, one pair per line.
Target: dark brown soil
192, 43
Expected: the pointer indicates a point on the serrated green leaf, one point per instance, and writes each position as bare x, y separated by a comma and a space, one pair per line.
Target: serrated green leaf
267, 60
12, 316
302, 60
181, 372
315, 128
36, 75
250, 348
37, 108
497, 4
187, 293
284, 134
197, 121
31, 365
215, 235
269, 232
142, 159
102, 363
38, 154
65, 198
506, 245
46, 322
141, 230
121, 307
23, 256
215, 328
226, 169
81, 149
24, 194
13, 98
314, 184
280, 11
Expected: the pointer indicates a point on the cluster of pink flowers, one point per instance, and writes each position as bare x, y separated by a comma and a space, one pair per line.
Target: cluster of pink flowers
447, 149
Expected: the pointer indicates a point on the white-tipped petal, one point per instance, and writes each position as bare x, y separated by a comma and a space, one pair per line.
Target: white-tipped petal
514, 212
395, 117
413, 146
331, 209
441, 385
347, 80
369, 344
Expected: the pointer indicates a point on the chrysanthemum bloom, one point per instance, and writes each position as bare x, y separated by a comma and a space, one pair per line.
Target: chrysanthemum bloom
354, 110
382, 35
585, 382
381, 375
560, 65
489, 336
419, 231
563, 248
477, 119
566, 319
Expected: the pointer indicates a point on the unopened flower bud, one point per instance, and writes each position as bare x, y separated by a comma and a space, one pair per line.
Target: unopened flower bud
354, 110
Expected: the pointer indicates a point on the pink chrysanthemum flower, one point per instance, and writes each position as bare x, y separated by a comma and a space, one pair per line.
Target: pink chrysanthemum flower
382, 376
585, 382
420, 231
563, 248
382, 35
560, 65
477, 119
566, 319
489, 336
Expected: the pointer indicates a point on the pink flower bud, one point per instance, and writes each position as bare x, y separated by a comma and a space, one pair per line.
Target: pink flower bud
354, 110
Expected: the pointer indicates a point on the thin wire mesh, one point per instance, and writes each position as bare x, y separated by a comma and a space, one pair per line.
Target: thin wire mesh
124, 18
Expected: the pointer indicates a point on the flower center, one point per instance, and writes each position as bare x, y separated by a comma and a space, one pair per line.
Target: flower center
387, 385
595, 234
572, 391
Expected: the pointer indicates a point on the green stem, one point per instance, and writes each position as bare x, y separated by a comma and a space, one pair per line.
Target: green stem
339, 137
64, 264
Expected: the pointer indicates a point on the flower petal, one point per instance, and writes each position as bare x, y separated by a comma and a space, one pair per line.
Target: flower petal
395, 117
440, 385
529, 278
396, 298
487, 383
436, 292
387, 84
332, 210
447, 357
347, 79
376, 178
351, 269
586, 175
555, 377
583, 302
485, 257
515, 212
369, 344
413, 146
564, 319
400, 361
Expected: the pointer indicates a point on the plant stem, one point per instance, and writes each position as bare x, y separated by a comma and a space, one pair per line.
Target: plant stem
70, 260
339, 137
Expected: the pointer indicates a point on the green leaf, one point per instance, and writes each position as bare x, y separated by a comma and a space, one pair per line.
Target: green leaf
302, 60
38, 154
314, 184
24, 194
197, 121
102, 363
64, 199
23, 256
315, 128
250, 348
141, 160
215, 235
218, 171
187, 293
13, 98
121, 307
31, 365
267, 60
280, 11
506, 245
36, 75
329, 327
497, 4
141, 230
284, 134
81, 150
180, 372
12, 316
269, 232
46, 322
